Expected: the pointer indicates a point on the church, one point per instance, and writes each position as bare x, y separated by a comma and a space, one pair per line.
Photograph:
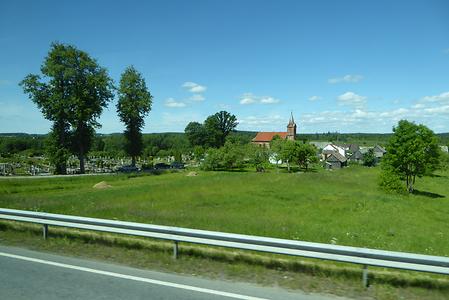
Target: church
264, 138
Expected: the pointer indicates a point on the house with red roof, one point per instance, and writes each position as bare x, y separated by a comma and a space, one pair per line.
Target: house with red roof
264, 138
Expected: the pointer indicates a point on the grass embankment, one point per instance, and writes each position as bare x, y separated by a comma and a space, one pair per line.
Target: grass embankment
344, 207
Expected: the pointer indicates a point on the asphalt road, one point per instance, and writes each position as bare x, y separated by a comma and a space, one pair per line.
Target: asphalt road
26, 274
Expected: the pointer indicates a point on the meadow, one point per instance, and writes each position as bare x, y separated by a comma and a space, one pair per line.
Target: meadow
343, 207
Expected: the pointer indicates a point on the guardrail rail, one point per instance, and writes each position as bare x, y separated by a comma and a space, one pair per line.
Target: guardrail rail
361, 256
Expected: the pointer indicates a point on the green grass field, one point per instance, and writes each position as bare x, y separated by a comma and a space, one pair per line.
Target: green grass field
344, 207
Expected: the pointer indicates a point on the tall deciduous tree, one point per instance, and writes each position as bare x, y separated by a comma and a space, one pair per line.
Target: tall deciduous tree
72, 93
219, 126
51, 98
133, 106
196, 134
412, 151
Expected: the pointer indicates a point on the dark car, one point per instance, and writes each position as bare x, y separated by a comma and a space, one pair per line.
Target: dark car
161, 166
177, 165
128, 169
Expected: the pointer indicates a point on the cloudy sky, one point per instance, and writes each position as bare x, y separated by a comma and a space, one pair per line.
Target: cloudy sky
347, 66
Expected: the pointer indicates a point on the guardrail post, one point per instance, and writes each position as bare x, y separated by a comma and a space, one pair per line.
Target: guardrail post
175, 249
45, 231
365, 276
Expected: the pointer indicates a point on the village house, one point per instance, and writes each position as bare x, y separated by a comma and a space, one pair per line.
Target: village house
332, 148
379, 152
335, 161
264, 138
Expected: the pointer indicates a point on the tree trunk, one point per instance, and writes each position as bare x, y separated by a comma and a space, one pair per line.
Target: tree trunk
81, 158
133, 161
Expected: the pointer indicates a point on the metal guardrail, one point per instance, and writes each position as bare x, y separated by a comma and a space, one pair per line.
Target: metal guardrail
362, 256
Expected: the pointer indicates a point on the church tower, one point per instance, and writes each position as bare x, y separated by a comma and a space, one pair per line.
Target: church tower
291, 129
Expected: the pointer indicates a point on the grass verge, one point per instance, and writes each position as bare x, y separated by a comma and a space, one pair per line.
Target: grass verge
218, 263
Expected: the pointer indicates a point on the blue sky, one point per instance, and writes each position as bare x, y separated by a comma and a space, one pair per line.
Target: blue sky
347, 66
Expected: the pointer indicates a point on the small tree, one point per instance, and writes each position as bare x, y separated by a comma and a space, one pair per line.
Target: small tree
133, 106
276, 145
412, 151
258, 157
305, 154
288, 152
369, 159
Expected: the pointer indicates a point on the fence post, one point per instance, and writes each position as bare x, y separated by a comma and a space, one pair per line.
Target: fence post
175, 249
365, 276
45, 231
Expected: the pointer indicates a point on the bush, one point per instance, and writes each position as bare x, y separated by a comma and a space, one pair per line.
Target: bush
391, 182
212, 160
230, 156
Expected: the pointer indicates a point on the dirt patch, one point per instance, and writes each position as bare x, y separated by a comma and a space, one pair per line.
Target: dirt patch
192, 174
102, 185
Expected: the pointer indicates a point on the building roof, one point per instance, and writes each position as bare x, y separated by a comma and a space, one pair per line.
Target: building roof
335, 156
357, 155
319, 145
268, 136
378, 148
353, 147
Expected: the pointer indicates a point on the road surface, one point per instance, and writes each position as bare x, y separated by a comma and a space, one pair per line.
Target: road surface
26, 274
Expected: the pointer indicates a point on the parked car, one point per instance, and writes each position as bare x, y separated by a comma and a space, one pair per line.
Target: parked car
128, 169
161, 166
177, 165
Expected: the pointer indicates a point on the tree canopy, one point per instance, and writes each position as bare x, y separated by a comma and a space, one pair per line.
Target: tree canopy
213, 132
72, 93
218, 127
134, 104
412, 151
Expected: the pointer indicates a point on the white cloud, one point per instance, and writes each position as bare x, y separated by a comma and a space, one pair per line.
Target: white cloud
441, 98
350, 98
197, 97
170, 102
249, 98
194, 87
267, 122
346, 78
268, 100
223, 106
314, 98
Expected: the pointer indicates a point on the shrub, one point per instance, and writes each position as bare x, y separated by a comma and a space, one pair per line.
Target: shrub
391, 182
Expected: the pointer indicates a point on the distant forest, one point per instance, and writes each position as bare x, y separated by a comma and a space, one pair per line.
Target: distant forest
164, 144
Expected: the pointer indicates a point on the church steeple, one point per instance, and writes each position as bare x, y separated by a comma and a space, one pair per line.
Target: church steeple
291, 128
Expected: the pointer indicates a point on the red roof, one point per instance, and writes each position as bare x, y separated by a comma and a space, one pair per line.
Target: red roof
268, 136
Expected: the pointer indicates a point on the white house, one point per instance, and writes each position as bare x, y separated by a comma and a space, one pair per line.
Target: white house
333, 148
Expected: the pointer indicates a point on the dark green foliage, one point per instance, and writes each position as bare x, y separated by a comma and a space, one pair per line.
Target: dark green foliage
197, 134
133, 105
218, 127
72, 94
33, 145
369, 159
412, 151
213, 132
